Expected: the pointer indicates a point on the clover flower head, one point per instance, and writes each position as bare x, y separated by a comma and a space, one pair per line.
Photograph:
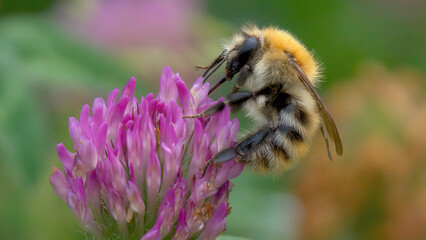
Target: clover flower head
136, 171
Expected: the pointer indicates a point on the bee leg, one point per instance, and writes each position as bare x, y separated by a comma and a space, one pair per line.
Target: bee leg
242, 148
252, 141
223, 156
233, 100
209, 111
236, 100
242, 78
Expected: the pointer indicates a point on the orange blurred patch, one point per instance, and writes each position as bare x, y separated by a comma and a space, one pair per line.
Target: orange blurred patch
377, 190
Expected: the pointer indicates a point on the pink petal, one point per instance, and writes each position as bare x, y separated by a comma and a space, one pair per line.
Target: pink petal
154, 233
114, 117
112, 97
167, 212
168, 89
75, 130
129, 89
216, 224
84, 117
57, 180
93, 194
117, 207
185, 98
135, 198
76, 199
66, 158
182, 230
153, 180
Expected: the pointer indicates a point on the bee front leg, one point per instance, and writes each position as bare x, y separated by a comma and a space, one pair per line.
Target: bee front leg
245, 73
242, 149
234, 100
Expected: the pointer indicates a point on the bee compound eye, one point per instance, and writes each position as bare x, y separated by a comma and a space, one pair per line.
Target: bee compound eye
250, 45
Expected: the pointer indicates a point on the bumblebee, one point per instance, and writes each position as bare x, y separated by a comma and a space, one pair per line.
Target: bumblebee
278, 75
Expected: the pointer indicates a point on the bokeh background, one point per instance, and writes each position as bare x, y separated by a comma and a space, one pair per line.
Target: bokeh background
56, 56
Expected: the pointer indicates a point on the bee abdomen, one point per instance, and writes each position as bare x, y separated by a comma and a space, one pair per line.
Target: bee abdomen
276, 152
291, 134
289, 145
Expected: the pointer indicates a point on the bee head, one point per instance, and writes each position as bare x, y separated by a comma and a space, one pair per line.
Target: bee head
249, 47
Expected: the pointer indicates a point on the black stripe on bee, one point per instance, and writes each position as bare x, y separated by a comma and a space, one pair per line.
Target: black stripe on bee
280, 152
269, 90
295, 136
299, 113
280, 101
277, 98
291, 133
265, 162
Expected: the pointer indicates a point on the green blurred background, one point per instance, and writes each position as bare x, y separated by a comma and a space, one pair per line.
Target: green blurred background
56, 56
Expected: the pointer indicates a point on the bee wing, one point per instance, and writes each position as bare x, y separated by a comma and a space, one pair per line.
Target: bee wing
324, 134
327, 120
